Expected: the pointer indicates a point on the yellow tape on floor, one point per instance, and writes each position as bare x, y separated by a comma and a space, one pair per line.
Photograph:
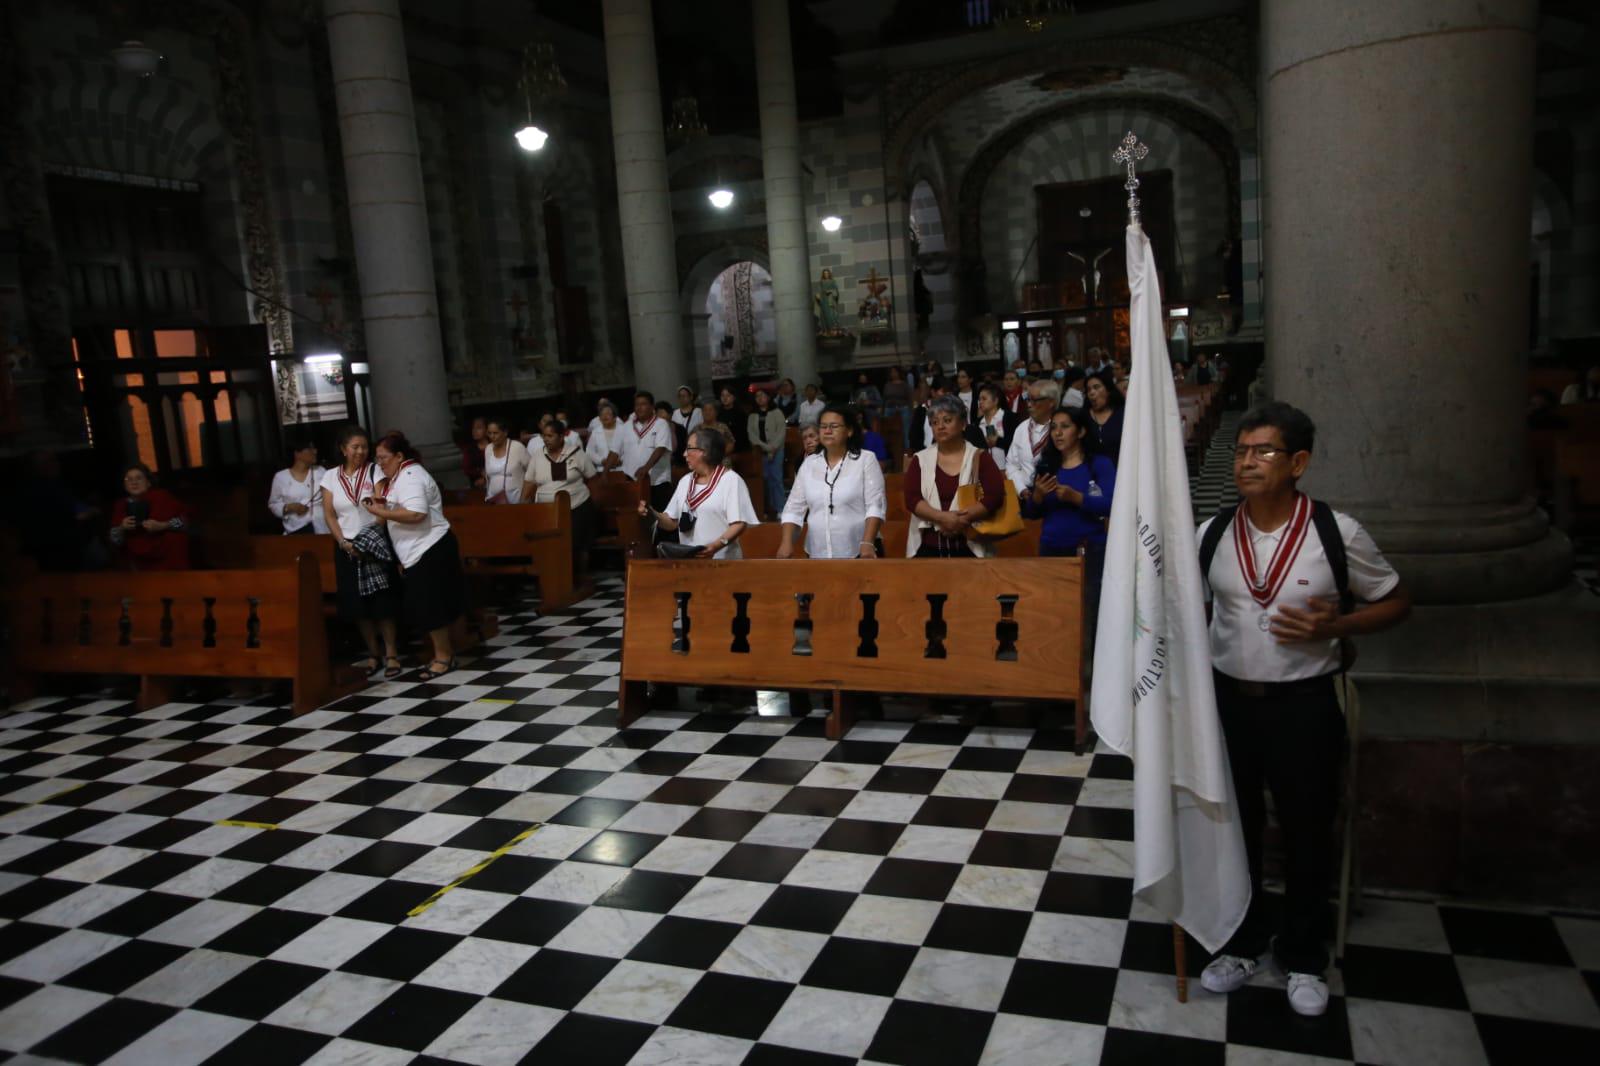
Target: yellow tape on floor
48, 799
240, 824
475, 870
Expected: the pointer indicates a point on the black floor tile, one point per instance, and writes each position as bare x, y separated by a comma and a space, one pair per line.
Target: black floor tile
69, 823
814, 802
748, 744
1504, 935
810, 910
123, 967
989, 760
913, 879
692, 943
757, 862
388, 901
264, 932
140, 914
915, 1034
1112, 767
955, 812
40, 892
154, 870
614, 847
1090, 894
1026, 851
260, 990
552, 978
592, 813
872, 968
1064, 991
19, 938
730, 1005
1147, 947
984, 930
591, 1040
913, 779
269, 1044
269, 846
1519, 1041
690, 791
1124, 1047
464, 772
103, 1031
648, 890
401, 954
384, 858
1044, 788
861, 751
50, 858
377, 823
511, 874
487, 834
412, 1018
572, 782
267, 885
661, 763
860, 837
529, 921
172, 831
476, 802
1425, 978
718, 823
1104, 823
774, 1055
1261, 1017
774, 771
552, 754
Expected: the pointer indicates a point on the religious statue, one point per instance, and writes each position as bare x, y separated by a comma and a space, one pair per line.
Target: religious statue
827, 302
874, 308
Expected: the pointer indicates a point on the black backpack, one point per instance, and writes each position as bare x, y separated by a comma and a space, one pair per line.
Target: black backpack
1327, 529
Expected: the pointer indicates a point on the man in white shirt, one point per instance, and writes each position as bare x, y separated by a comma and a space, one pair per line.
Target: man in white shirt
810, 412
1275, 632
1030, 438
648, 458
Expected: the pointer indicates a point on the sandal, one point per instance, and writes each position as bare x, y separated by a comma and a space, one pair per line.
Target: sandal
392, 672
430, 673
369, 664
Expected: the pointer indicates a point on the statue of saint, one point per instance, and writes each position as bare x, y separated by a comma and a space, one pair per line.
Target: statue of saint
827, 301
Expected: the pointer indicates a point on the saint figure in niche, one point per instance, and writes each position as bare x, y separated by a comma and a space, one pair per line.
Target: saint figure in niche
827, 301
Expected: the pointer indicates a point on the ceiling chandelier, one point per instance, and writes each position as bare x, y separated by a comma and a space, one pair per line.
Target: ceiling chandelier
686, 125
1031, 16
542, 88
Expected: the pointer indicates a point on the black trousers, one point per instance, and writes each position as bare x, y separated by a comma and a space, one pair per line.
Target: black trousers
1289, 739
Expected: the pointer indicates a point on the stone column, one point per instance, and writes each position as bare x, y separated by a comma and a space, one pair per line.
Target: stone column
389, 224
1396, 271
1579, 315
784, 183
644, 204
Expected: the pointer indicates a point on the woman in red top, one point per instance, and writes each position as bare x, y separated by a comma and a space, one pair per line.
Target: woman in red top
938, 529
149, 526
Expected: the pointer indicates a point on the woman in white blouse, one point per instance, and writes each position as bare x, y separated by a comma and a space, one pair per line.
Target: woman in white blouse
711, 506
837, 495
430, 559
605, 439
296, 497
557, 466
505, 464
343, 490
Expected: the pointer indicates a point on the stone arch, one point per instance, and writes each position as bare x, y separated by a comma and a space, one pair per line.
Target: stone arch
696, 288
917, 99
702, 149
926, 206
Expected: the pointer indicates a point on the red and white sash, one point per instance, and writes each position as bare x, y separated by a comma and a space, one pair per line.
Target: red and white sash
639, 431
1264, 588
1038, 445
353, 494
698, 496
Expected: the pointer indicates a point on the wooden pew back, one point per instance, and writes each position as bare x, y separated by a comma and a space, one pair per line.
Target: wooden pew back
193, 623
1003, 628
616, 498
267, 552
525, 540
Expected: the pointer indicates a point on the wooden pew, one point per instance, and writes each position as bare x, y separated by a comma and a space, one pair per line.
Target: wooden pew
616, 496
263, 551
520, 540
193, 623
1005, 628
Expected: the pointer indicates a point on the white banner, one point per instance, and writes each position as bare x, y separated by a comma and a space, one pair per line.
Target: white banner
1153, 698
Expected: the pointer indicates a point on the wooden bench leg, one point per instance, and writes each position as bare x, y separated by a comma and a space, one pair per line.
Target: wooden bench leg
631, 699
154, 691
846, 708
1080, 725
1180, 961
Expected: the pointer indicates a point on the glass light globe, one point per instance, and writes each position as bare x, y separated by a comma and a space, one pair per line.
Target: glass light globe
832, 223
721, 198
531, 138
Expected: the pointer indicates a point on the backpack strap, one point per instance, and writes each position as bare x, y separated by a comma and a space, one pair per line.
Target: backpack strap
1333, 548
1208, 543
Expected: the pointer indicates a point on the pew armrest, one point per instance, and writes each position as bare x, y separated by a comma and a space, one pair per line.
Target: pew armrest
541, 534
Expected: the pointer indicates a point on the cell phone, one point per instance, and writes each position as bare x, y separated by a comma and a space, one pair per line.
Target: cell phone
139, 509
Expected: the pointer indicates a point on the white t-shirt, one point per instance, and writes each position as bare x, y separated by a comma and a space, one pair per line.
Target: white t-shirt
308, 493
413, 489
578, 467
1072, 398
640, 441
1027, 446
349, 513
857, 495
691, 421
1240, 647
505, 475
810, 411
729, 502
603, 441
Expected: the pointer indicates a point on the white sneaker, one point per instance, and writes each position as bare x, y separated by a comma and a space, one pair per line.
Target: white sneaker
1308, 994
1225, 973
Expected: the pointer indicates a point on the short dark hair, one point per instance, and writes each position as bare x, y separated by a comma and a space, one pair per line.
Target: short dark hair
349, 433
1072, 374
1299, 432
395, 443
712, 443
1108, 382
647, 395
853, 420
1050, 459
992, 389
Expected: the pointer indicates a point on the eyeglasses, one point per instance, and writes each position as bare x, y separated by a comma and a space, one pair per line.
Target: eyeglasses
828, 427
686, 451
1266, 453
1038, 399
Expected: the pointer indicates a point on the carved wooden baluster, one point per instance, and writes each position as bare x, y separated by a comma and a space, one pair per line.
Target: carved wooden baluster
166, 621
208, 628
1005, 630
252, 627
681, 624
125, 624
84, 627
867, 628
741, 623
935, 629
803, 623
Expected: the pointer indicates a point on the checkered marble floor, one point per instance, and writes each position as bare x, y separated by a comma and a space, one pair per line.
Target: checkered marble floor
1213, 489
486, 870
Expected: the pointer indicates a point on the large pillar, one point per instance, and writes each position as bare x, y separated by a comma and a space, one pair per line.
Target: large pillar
644, 204
784, 183
1396, 270
389, 223
1579, 315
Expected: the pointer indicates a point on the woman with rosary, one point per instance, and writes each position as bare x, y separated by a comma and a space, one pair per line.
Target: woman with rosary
374, 604
837, 495
711, 506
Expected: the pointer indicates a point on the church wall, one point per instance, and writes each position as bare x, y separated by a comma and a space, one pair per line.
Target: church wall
1075, 149
933, 232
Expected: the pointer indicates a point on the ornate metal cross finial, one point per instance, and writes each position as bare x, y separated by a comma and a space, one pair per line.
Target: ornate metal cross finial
1130, 152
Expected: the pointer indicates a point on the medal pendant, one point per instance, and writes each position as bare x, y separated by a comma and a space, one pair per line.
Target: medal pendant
1265, 623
